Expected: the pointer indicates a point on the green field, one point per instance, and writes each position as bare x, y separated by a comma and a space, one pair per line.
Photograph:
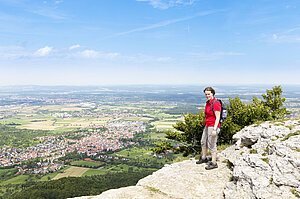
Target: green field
84, 163
133, 152
159, 136
41, 117
92, 172
5, 170
15, 180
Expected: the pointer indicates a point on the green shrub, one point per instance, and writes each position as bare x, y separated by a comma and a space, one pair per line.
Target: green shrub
188, 132
253, 151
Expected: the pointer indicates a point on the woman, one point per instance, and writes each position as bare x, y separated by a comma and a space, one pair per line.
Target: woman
211, 129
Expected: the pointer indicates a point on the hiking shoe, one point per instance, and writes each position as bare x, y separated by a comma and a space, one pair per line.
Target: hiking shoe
211, 165
209, 162
202, 161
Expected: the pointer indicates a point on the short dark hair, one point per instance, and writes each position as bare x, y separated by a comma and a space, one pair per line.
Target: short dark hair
210, 89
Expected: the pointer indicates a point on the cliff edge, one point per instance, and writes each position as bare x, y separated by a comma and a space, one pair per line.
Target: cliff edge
264, 163
179, 180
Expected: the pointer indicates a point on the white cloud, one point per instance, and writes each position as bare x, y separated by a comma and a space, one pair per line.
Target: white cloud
11, 52
285, 38
163, 59
89, 53
17, 52
74, 46
291, 35
165, 4
96, 54
43, 51
110, 55
58, 2
142, 58
48, 12
214, 55
291, 30
168, 22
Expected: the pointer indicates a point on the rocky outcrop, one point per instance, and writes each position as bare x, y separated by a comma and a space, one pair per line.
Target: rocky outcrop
265, 161
180, 180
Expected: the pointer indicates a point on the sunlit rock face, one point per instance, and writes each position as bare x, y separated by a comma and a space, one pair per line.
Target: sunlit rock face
265, 161
184, 179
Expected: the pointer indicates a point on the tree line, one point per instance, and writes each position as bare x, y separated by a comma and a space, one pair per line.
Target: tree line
80, 186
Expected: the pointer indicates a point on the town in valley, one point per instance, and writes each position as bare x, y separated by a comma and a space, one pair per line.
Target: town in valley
53, 132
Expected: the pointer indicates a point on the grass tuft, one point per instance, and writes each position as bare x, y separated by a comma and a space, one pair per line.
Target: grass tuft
253, 151
229, 164
265, 160
267, 149
295, 193
271, 180
290, 135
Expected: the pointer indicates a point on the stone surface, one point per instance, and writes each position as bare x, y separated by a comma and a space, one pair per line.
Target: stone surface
134, 192
180, 180
266, 163
188, 180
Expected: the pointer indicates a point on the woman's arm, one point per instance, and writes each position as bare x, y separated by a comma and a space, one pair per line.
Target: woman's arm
217, 114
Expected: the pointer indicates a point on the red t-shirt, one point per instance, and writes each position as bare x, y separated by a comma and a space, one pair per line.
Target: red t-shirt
210, 117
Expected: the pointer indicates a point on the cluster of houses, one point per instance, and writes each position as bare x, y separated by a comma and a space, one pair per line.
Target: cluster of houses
92, 142
41, 168
110, 114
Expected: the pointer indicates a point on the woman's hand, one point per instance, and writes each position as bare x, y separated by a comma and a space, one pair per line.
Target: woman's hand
214, 133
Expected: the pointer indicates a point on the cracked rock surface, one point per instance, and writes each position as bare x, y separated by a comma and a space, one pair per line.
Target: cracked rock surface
266, 161
180, 180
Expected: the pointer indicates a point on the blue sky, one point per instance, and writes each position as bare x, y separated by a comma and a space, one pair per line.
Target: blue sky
111, 42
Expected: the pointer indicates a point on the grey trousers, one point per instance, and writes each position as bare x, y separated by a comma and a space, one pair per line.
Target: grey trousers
209, 141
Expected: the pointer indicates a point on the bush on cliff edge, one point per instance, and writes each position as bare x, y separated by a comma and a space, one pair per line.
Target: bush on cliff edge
240, 114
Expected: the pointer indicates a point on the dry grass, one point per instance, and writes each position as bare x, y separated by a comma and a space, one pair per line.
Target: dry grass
66, 123
163, 125
128, 107
65, 107
44, 125
71, 172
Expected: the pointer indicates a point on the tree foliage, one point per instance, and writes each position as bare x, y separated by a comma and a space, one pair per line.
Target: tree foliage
80, 186
21, 138
274, 101
188, 132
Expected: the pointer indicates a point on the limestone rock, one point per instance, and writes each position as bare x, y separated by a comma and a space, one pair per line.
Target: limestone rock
188, 180
180, 180
266, 161
132, 192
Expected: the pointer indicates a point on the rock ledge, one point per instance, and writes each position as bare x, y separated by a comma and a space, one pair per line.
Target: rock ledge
265, 161
180, 180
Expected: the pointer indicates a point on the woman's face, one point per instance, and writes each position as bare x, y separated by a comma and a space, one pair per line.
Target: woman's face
209, 95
